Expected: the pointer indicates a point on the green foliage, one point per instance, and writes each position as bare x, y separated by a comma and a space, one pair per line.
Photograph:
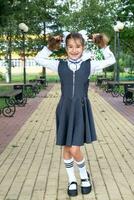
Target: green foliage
126, 61
60, 54
126, 10
96, 51
1, 76
125, 13
5, 11
37, 14
93, 16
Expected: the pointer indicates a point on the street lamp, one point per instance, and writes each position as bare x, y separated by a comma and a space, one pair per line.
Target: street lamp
24, 29
117, 28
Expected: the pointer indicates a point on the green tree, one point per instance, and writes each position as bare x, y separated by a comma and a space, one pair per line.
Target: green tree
36, 14
125, 13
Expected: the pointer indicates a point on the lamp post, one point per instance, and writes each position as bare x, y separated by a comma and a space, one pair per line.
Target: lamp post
24, 29
9, 38
117, 28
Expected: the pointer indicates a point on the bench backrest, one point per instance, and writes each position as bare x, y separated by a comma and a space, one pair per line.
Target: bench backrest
10, 93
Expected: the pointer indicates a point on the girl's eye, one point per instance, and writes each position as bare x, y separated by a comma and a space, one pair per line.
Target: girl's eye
75, 47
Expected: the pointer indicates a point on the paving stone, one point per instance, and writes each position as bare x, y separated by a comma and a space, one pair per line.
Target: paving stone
32, 168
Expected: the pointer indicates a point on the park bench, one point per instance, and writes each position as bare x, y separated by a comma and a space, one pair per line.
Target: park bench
99, 80
102, 81
131, 90
29, 89
42, 83
117, 88
11, 99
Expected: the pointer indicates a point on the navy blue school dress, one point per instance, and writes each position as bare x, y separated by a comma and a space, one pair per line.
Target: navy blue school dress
74, 119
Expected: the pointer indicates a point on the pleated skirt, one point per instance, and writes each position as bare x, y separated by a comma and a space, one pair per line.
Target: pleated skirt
74, 122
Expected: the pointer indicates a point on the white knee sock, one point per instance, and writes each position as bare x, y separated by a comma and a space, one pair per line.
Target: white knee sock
69, 164
83, 172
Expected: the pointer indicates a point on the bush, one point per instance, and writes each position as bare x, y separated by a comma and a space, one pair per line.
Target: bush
1, 76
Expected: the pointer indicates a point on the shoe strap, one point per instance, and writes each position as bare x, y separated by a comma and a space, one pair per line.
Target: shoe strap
84, 180
87, 179
72, 183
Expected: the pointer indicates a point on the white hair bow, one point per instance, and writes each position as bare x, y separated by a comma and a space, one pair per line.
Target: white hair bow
82, 32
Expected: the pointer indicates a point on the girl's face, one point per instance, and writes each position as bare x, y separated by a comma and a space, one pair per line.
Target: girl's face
74, 49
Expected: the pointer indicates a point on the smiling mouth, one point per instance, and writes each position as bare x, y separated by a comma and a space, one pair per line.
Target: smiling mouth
74, 54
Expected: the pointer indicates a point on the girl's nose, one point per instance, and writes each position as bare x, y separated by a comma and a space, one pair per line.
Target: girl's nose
74, 50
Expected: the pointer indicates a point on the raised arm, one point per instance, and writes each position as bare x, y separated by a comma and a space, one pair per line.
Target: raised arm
42, 58
101, 64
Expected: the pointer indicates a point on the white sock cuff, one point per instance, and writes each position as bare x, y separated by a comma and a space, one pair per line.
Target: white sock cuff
80, 162
68, 161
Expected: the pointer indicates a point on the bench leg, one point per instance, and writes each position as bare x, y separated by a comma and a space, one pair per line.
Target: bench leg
29, 93
128, 98
10, 101
21, 100
8, 111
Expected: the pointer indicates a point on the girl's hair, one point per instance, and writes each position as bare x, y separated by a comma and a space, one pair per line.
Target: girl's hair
101, 39
75, 36
53, 43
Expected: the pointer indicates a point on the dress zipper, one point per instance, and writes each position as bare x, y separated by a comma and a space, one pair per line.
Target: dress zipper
74, 80
73, 84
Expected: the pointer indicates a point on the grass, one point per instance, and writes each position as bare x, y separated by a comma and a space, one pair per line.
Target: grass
54, 79
19, 78
3, 89
2, 103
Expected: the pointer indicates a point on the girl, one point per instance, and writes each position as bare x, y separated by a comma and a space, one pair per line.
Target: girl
74, 120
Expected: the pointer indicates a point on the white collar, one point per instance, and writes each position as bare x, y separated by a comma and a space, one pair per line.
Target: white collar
75, 61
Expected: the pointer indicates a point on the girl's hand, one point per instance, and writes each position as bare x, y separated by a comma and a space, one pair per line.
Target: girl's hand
54, 42
101, 40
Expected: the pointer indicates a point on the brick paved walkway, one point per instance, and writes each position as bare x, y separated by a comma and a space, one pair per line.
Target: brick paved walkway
117, 102
10, 126
31, 167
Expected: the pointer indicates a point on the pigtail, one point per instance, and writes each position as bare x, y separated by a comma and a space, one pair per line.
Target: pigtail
54, 42
101, 40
